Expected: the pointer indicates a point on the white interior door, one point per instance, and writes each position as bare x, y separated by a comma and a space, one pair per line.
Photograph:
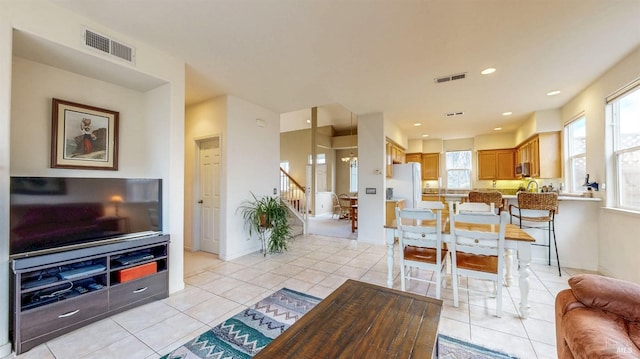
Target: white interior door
209, 191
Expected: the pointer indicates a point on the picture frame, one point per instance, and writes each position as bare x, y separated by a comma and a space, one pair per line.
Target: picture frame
83, 136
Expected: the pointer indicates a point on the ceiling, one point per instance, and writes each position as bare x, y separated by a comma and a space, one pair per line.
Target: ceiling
383, 55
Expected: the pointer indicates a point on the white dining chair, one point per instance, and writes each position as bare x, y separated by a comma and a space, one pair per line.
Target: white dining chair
477, 252
474, 207
421, 246
435, 205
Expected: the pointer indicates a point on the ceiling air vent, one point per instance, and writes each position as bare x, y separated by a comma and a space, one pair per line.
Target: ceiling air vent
109, 46
454, 77
451, 114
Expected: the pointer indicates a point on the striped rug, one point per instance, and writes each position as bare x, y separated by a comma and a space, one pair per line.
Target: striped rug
246, 333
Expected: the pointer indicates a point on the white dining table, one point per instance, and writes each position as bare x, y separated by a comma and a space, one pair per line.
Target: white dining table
516, 240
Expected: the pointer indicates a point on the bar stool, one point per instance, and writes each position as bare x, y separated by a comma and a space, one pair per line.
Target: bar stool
538, 208
488, 197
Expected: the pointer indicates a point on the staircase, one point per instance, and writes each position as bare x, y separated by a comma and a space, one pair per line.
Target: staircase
294, 195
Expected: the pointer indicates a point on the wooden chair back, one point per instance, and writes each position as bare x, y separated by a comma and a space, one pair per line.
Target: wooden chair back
494, 197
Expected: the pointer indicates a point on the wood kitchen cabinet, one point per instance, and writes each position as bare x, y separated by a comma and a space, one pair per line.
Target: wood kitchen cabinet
430, 166
394, 155
543, 153
390, 214
413, 157
496, 164
389, 160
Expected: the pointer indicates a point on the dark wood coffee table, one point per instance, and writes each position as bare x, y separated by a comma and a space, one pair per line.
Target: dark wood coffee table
362, 320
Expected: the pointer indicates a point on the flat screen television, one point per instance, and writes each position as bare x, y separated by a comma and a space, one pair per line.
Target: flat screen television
49, 214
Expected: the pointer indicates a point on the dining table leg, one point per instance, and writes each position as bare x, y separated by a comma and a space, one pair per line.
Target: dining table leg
524, 260
390, 234
508, 260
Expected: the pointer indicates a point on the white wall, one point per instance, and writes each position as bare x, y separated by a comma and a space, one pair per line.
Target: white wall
617, 242
494, 142
371, 166
251, 159
250, 163
31, 120
204, 120
393, 132
158, 152
6, 33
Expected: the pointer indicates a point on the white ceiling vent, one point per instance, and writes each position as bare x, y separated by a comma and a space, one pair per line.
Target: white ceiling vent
454, 77
109, 46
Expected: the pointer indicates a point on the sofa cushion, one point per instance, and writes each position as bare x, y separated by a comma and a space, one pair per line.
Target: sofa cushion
613, 295
594, 333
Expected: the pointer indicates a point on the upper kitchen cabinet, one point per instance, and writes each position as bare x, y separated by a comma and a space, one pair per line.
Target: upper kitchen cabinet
413, 157
543, 153
496, 164
430, 166
394, 155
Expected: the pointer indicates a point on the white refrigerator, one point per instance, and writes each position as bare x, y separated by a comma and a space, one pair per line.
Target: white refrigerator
406, 183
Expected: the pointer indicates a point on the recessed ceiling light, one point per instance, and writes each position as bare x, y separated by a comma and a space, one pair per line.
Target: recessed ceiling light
417, 124
425, 135
508, 113
553, 93
308, 121
488, 71
497, 129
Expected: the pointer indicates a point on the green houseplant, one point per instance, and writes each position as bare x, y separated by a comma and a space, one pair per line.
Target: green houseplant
267, 216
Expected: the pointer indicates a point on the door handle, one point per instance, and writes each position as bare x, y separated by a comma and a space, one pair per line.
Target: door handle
200, 201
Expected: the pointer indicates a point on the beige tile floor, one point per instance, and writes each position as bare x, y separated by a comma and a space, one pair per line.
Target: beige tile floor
216, 290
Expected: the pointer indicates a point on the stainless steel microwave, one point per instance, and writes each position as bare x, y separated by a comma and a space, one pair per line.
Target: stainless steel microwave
523, 169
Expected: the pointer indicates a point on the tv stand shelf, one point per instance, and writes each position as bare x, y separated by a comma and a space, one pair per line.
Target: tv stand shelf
56, 293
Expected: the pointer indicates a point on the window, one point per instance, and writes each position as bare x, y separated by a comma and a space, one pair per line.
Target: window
353, 176
575, 136
624, 111
321, 159
458, 165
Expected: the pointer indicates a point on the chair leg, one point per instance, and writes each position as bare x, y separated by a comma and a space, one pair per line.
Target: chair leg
549, 243
402, 276
498, 298
454, 280
553, 225
438, 283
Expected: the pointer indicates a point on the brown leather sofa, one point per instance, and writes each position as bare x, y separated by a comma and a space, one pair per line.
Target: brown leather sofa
598, 317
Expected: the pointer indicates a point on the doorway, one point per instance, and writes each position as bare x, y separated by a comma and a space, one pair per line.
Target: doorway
207, 218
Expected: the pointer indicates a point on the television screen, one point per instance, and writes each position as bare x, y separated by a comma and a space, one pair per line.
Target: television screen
51, 213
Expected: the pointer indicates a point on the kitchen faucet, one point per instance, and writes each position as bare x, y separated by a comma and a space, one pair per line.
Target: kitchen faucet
530, 183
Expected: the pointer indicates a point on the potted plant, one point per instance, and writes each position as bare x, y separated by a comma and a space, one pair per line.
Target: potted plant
267, 216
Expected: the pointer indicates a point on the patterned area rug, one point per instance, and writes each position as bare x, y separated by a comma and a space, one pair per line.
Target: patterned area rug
244, 334
452, 348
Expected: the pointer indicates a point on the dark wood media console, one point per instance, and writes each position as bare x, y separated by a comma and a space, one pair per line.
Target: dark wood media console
56, 293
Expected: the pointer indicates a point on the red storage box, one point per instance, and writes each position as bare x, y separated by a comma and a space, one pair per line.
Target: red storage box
132, 273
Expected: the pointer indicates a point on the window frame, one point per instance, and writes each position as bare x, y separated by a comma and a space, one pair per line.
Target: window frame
468, 170
570, 158
616, 151
353, 176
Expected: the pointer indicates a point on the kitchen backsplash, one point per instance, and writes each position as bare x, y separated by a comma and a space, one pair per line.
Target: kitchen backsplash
506, 187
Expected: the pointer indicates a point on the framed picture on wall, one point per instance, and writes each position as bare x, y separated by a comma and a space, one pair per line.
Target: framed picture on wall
83, 137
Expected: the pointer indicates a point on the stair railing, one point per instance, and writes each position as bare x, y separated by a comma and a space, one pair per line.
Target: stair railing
295, 195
